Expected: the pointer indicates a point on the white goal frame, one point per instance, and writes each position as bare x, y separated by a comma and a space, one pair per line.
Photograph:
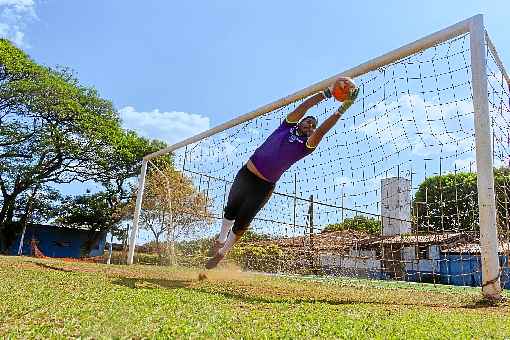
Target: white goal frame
491, 287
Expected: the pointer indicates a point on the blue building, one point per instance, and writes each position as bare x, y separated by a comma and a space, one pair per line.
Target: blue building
460, 265
54, 241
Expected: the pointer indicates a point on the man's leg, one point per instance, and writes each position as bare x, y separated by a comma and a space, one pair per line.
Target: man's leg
234, 202
226, 226
232, 239
259, 193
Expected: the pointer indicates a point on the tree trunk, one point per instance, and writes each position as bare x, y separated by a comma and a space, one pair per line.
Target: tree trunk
156, 239
26, 218
6, 228
171, 252
171, 248
93, 238
7, 211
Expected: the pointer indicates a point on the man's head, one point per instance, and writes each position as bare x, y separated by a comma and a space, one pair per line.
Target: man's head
307, 125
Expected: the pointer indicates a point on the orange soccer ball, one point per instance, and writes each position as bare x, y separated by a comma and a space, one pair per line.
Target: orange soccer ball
342, 88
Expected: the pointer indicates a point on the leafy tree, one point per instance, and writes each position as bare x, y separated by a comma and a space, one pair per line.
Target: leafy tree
95, 212
54, 130
38, 205
35, 206
360, 223
104, 211
447, 202
502, 187
450, 202
172, 206
121, 164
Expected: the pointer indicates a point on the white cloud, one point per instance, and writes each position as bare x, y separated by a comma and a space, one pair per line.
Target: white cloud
433, 128
342, 180
170, 127
467, 164
14, 16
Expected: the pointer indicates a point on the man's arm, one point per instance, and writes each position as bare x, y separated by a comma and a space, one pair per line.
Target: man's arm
296, 115
317, 135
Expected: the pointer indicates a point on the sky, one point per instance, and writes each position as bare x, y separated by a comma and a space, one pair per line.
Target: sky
175, 68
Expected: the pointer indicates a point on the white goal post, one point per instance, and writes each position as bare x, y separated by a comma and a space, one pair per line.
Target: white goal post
478, 41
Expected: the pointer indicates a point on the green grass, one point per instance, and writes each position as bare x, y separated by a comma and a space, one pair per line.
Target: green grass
51, 298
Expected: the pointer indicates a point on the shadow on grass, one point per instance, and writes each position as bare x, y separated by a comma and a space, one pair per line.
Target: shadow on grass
487, 303
481, 303
138, 283
46, 266
135, 283
254, 298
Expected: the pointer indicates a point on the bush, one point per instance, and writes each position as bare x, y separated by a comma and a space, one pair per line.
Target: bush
450, 202
265, 258
360, 223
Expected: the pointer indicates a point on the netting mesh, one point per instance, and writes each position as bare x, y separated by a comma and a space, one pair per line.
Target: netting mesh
389, 193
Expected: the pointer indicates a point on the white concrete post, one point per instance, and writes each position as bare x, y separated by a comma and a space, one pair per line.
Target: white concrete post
491, 286
395, 206
138, 208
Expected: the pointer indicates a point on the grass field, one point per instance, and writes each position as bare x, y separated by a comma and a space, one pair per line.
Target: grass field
51, 298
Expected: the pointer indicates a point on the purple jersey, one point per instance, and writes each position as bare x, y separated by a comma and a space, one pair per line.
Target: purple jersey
280, 150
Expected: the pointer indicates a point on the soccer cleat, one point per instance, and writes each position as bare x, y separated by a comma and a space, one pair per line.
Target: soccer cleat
213, 261
216, 246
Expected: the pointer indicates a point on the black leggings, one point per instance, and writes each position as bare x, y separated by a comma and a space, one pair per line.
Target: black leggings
247, 196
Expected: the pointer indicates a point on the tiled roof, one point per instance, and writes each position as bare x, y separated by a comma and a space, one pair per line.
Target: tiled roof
473, 248
346, 239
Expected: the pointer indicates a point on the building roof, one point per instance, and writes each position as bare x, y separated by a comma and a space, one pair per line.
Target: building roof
422, 239
337, 240
473, 248
341, 241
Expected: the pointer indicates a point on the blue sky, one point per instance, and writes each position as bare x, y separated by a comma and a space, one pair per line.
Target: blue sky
174, 67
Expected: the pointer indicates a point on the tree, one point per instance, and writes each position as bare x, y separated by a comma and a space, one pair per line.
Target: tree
252, 236
38, 205
172, 206
450, 202
104, 211
53, 130
95, 212
360, 223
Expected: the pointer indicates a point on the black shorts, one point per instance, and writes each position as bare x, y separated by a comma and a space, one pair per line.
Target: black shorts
247, 196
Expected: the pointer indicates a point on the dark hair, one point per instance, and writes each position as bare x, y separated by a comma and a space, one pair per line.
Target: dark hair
312, 117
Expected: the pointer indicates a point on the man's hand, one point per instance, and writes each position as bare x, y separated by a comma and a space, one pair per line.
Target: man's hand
353, 94
317, 135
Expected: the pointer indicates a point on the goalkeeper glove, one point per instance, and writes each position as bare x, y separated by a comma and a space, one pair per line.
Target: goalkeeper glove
353, 94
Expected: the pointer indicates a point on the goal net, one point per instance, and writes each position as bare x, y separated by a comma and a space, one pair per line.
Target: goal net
392, 191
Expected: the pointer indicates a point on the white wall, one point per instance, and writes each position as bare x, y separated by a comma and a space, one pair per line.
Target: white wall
364, 260
395, 205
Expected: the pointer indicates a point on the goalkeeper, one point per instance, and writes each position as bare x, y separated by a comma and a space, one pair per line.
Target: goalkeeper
253, 185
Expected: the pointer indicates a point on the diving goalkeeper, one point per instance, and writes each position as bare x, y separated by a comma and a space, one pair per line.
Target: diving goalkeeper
294, 139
